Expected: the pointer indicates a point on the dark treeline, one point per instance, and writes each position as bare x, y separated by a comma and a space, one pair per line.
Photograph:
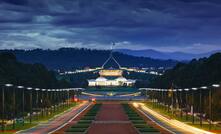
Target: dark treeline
34, 75
27, 75
205, 71
197, 73
72, 58
142, 79
79, 79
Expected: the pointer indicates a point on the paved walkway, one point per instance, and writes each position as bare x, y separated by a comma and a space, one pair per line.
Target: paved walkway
111, 119
58, 122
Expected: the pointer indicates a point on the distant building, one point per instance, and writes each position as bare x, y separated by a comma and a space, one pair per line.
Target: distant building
111, 77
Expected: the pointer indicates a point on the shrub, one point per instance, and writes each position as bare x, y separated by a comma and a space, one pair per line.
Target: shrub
76, 130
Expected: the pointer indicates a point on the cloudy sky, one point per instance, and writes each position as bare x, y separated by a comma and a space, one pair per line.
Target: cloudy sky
166, 25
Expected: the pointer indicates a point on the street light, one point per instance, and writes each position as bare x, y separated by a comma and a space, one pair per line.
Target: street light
210, 104
14, 105
201, 106
54, 99
23, 103
173, 92
30, 116
3, 104
193, 89
216, 85
186, 99
180, 102
42, 102
68, 93
50, 100
47, 98
37, 98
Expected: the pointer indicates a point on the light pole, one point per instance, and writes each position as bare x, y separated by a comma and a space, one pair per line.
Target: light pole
23, 103
58, 99
180, 102
165, 99
42, 102
186, 98
54, 99
201, 106
193, 119
47, 102
30, 116
62, 95
210, 104
37, 89
3, 105
68, 92
14, 107
174, 91
50, 100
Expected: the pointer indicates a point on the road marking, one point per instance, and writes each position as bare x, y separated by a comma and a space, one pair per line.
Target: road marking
173, 122
70, 120
156, 122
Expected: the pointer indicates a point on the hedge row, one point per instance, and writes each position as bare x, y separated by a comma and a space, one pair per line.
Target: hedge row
138, 121
84, 123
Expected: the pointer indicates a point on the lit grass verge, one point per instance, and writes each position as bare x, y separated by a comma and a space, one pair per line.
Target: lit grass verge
35, 120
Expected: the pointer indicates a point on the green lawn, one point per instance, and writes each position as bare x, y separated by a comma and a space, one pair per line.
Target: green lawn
53, 114
35, 120
163, 110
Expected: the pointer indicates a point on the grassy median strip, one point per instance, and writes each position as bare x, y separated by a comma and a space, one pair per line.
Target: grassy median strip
138, 122
36, 119
84, 123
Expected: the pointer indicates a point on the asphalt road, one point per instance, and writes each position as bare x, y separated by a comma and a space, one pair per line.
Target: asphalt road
174, 126
58, 122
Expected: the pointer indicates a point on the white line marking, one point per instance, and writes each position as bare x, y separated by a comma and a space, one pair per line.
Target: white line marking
155, 121
69, 120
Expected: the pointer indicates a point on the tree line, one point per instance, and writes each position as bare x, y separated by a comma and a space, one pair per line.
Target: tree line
196, 73
74, 58
35, 75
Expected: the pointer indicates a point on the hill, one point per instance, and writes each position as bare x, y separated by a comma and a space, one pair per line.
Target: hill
72, 58
205, 71
35, 75
165, 55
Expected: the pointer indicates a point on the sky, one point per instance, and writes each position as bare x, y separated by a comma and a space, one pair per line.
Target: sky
192, 26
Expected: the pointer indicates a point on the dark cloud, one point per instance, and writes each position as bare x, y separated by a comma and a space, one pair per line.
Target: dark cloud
167, 25
16, 2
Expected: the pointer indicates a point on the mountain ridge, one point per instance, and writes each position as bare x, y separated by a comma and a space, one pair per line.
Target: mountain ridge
73, 58
181, 56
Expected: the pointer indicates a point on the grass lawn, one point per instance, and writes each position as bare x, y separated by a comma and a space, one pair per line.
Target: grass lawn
39, 118
35, 120
163, 110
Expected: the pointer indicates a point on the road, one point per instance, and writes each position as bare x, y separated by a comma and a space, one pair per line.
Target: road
174, 126
58, 122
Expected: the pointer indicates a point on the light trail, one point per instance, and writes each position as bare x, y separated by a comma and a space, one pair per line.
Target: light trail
172, 122
90, 94
132, 94
70, 119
